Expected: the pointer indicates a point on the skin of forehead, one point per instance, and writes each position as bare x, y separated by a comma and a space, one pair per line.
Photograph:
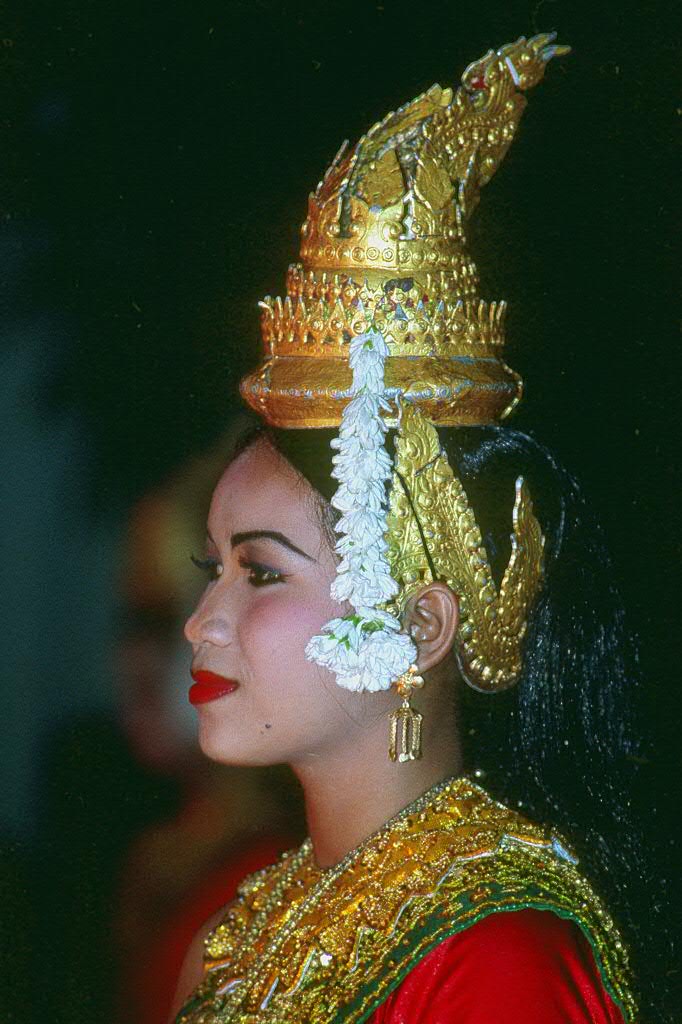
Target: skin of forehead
261, 490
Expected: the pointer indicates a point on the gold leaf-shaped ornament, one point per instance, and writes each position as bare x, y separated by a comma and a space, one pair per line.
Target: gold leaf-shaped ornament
429, 512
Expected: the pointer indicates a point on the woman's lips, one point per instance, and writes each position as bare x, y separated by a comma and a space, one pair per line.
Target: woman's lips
209, 686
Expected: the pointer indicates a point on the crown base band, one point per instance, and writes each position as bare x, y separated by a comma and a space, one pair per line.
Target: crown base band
299, 392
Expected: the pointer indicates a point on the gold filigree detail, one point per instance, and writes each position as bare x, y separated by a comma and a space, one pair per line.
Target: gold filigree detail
429, 510
412, 321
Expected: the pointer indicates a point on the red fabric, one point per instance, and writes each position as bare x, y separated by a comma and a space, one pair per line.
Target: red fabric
527, 966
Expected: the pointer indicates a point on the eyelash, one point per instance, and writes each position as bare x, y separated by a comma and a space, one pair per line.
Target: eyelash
259, 575
211, 566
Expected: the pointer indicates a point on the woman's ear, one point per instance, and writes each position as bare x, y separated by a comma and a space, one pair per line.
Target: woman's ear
431, 618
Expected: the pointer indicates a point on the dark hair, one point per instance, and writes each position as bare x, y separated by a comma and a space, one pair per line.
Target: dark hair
560, 745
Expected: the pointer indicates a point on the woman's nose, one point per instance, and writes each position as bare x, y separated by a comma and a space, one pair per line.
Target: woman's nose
209, 622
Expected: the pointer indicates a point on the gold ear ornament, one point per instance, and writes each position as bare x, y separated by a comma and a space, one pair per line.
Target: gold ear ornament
433, 535
406, 722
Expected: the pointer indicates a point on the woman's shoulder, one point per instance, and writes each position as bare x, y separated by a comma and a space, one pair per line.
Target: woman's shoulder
221, 930
524, 965
192, 971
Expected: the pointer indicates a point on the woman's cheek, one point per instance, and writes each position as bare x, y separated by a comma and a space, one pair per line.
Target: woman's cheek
280, 621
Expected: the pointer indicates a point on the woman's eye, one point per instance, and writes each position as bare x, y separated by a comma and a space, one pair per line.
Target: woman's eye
211, 566
260, 575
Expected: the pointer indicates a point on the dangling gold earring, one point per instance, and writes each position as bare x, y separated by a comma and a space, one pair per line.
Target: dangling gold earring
406, 723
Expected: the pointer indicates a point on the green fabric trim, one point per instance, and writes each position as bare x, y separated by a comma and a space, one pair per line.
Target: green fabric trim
404, 957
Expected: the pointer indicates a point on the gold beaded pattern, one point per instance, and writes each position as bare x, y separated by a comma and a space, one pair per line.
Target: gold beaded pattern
302, 944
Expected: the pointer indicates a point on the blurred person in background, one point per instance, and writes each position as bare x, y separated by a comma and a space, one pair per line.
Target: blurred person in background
229, 821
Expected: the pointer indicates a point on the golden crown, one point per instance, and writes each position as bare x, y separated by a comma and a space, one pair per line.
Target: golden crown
385, 273
384, 247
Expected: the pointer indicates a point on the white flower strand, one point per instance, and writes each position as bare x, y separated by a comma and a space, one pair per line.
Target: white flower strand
366, 648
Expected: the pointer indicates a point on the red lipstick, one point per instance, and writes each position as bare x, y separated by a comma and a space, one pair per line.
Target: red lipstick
209, 686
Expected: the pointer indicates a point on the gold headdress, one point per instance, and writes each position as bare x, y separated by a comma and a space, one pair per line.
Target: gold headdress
383, 256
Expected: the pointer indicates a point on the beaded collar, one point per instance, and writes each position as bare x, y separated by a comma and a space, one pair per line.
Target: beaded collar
301, 943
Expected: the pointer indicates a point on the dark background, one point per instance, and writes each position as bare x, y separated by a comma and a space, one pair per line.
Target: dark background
157, 161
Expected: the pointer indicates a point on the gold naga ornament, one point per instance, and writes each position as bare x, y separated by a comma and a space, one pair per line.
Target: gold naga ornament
384, 250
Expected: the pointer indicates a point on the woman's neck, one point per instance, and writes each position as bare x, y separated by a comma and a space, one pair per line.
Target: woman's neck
350, 793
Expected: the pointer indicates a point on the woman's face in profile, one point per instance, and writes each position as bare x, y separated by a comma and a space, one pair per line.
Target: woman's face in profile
270, 571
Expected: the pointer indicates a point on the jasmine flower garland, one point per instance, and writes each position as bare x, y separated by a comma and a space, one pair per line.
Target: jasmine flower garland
366, 649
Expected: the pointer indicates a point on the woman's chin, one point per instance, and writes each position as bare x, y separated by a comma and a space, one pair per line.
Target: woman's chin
231, 749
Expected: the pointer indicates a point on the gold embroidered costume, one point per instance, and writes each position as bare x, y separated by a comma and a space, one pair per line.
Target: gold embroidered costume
301, 944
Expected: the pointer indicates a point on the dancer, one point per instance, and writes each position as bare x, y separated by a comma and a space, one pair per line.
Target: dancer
407, 603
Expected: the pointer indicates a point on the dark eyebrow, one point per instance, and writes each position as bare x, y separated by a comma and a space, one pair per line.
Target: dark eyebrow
240, 538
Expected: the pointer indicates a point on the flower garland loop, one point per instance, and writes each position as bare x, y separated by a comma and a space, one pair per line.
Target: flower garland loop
366, 648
